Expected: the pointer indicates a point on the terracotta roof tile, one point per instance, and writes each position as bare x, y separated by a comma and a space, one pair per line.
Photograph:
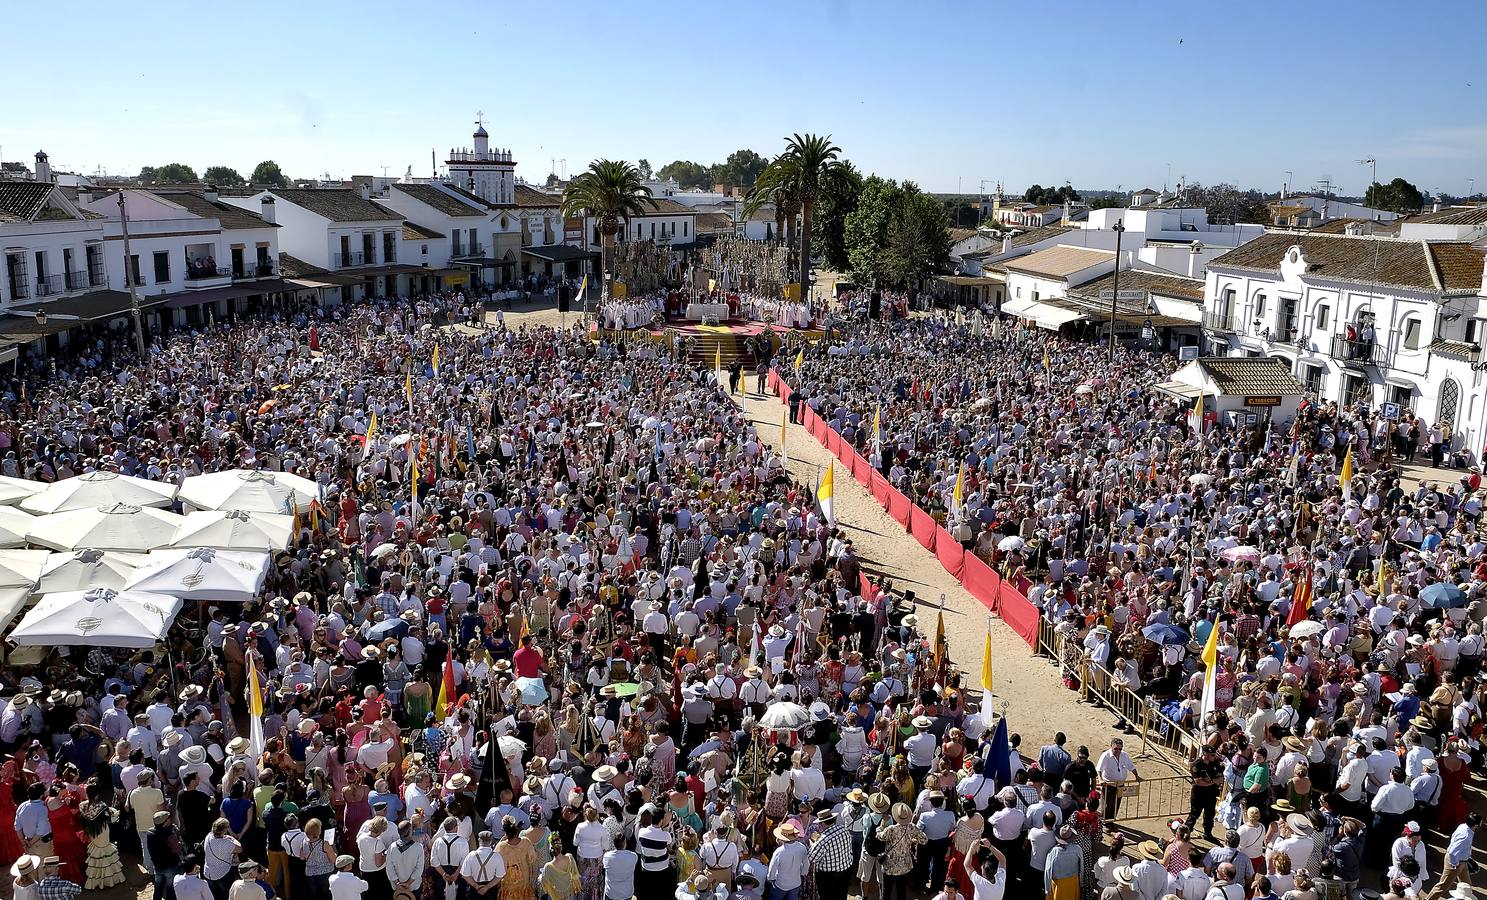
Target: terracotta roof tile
1369, 260
1261, 377
20, 201
1059, 262
1460, 266
337, 204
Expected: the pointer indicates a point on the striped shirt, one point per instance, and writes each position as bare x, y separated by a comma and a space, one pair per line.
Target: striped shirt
654, 847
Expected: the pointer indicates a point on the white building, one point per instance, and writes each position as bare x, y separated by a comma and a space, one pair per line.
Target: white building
52, 248
665, 221
489, 174
462, 223
1049, 274
1306, 211
1363, 319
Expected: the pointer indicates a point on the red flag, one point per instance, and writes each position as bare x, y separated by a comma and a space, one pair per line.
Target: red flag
447, 689
1301, 600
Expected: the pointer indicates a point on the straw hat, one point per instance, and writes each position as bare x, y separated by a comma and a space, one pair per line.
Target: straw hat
238, 745
194, 755
1299, 824
923, 722
787, 832
856, 795
457, 782
1291, 742
1124, 876
20, 701
879, 803
306, 726
605, 773
25, 865
1150, 850
1283, 806
902, 813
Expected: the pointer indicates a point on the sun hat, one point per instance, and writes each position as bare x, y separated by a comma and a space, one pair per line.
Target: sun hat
24, 864
902, 813
605, 773
194, 755
879, 803
457, 782
1125, 876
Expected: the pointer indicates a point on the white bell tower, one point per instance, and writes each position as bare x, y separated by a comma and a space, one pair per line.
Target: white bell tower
489, 174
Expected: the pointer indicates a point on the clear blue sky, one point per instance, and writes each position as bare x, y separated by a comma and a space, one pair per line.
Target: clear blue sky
946, 94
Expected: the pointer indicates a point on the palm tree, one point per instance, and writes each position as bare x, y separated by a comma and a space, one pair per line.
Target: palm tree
777, 185
611, 191
818, 166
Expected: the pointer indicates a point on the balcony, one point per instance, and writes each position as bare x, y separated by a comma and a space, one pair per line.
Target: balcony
19, 290
471, 250
1357, 351
389, 257
96, 276
249, 270
203, 272
1219, 320
347, 260
50, 285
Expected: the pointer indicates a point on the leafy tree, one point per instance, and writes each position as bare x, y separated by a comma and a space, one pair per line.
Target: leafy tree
222, 176
1227, 204
743, 168
15, 170
817, 165
268, 174
865, 230
918, 240
1114, 201
828, 240
644, 167
170, 173
1050, 196
1033, 194
610, 191
687, 174
1397, 196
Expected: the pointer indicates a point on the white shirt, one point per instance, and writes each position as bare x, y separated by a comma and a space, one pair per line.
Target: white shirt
347, 886
990, 890
1114, 767
483, 865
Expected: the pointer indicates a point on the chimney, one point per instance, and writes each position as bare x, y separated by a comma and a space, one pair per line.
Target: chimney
43, 168
1436, 206
366, 190
84, 195
270, 215
1007, 244
210, 194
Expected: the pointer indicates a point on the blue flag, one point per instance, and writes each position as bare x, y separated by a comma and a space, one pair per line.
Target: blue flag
999, 756
470, 440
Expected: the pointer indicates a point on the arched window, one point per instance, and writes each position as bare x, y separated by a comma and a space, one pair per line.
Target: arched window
1410, 333
1448, 405
1322, 317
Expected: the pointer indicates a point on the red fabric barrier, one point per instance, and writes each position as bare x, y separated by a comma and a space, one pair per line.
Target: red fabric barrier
870, 591
1017, 611
881, 488
834, 443
862, 469
818, 429
981, 581
949, 551
922, 527
898, 507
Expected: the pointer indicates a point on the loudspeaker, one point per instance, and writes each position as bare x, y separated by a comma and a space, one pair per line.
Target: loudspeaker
564, 299
875, 305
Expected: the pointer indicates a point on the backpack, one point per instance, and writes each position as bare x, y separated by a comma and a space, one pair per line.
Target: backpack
872, 843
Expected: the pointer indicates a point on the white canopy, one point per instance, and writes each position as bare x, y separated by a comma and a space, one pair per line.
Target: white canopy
117, 527
81, 570
21, 568
95, 490
14, 490
234, 530
249, 491
202, 573
12, 601
13, 526
101, 617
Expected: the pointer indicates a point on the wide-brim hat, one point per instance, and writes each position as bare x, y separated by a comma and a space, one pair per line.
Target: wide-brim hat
1150, 849
777, 631
20, 701
923, 722
856, 795
753, 672
194, 755
1291, 742
879, 803
238, 745
787, 832
24, 864
902, 813
172, 738
1124, 875
1299, 823
457, 782
1283, 806
306, 726
609, 690
605, 773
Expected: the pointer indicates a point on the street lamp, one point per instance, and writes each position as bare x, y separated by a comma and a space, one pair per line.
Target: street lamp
1119, 228
134, 307
41, 318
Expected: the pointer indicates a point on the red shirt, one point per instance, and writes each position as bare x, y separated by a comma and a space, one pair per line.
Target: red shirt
528, 662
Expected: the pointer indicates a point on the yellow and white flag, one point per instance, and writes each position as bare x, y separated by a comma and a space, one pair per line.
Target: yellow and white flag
1345, 477
1210, 672
986, 682
957, 499
371, 436
436, 361
826, 494
878, 427
799, 359
255, 711
718, 360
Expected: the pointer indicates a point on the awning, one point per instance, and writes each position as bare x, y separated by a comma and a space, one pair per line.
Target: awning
967, 280
1179, 389
479, 262
1018, 307
233, 292
556, 252
1052, 318
309, 284
92, 307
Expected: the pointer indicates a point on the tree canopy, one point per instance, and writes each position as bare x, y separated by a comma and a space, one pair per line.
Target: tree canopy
740, 169
222, 176
268, 174
1397, 196
897, 235
838, 199
609, 190
1227, 204
1050, 196
170, 173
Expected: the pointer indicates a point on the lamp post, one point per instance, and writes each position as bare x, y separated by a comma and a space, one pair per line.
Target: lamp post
1119, 228
134, 308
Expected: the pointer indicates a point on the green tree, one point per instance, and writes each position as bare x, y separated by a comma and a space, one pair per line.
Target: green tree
610, 191
268, 174
1114, 201
222, 176
1397, 196
1227, 204
865, 230
817, 166
828, 240
170, 173
644, 168
743, 168
918, 240
686, 173
777, 185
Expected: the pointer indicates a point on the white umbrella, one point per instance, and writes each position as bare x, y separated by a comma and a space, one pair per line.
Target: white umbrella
1200, 478
1008, 544
21, 568
1242, 553
81, 570
785, 716
14, 490
12, 601
101, 617
1306, 628
117, 527
234, 530
13, 526
382, 551
246, 491
202, 573
95, 490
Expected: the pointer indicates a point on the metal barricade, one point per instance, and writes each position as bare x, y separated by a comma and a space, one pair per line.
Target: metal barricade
1165, 797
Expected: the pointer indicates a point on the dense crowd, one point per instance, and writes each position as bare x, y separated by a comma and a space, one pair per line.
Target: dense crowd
1346, 604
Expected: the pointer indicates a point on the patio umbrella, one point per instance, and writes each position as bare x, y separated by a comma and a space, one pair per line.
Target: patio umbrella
202, 573
12, 601
234, 530
101, 617
14, 490
1442, 595
117, 527
1200, 478
1306, 628
532, 691
1008, 544
14, 524
246, 490
1242, 553
80, 570
1162, 633
626, 689
785, 716
21, 568
95, 490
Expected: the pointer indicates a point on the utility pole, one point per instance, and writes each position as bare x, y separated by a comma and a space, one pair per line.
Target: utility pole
1119, 228
134, 308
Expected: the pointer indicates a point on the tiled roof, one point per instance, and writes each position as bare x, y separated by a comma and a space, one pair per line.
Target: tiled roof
666, 206
1040, 234
1340, 226
531, 197
1468, 215
1142, 280
434, 197
1260, 377
294, 267
1059, 262
230, 216
714, 222
337, 204
412, 231
20, 201
1369, 260
960, 234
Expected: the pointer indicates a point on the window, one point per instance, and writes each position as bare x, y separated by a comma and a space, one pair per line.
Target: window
653, 230
162, 267
684, 228
425, 249
134, 269
1259, 306
1473, 329
1019, 292
1400, 394
1450, 400
1411, 339
1322, 314
1314, 377
1355, 389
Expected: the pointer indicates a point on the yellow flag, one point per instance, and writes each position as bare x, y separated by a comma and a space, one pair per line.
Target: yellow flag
408, 386
372, 430
960, 488
1385, 573
1047, 364
826, 494
1211, 669
255, 710
412, 477
877, 423
939, 640
799, 359
436, 360
1345, 477
718, 356
986, 682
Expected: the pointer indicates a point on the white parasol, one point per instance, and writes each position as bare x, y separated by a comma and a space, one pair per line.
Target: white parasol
101, 617
13, 526
1010, 543
202, 573
247, 491
1306, 628
117, 527
21, 568
382, 551
234, 530
14, 490
785, 716
81, 570
95, 490
1242, 553
12, 601
1200, 478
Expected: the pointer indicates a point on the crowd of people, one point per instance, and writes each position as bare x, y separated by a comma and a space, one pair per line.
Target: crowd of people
1346, 604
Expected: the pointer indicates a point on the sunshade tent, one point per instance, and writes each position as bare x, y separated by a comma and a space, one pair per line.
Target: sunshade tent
14, 490
234, 530
1443, 595
95, 490
22, 568
12, 601
13, 526
101, 617
81, 570
248, 490
119, 527
202, 573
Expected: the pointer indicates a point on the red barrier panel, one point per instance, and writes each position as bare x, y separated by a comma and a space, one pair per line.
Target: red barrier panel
899, 507
981, 581
862, 469
923, 527
834, 443
1017, 611
881, 488
951, 554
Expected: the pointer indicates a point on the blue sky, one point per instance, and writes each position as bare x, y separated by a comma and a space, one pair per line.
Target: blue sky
946, 94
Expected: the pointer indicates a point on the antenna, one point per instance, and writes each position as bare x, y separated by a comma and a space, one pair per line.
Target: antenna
1373, 165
